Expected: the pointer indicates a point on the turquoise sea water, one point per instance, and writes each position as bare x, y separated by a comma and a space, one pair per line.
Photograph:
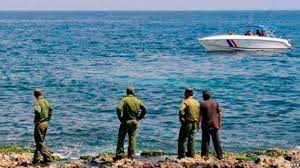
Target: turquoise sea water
85, 60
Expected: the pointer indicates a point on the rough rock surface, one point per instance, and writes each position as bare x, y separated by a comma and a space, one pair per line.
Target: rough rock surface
15, 159
271, 158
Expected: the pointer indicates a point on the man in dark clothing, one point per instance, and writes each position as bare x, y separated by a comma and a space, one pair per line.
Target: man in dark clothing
211, 122
258, 33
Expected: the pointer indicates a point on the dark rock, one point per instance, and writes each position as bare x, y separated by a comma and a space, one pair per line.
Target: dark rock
241, 164
101, 163
24, 164
86, 158
215, 166
153, 153
257, 161
288, 157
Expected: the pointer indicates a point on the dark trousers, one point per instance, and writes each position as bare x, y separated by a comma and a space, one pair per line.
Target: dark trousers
214, 133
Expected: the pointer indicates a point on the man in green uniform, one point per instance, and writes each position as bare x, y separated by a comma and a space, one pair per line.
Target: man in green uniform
130, 110
188, 115
43, 113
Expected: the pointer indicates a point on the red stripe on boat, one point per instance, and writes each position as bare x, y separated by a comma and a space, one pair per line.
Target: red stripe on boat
234, 43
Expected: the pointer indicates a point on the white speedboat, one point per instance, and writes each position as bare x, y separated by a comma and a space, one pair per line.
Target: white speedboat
262, 39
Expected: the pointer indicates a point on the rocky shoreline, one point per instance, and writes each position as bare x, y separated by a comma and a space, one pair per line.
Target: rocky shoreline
14, 156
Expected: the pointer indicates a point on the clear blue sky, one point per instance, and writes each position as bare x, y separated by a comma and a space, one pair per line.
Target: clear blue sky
149, 4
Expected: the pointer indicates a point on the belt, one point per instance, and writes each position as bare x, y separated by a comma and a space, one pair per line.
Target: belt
190, 121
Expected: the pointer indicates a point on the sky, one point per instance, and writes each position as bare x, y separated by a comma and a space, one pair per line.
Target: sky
149, 4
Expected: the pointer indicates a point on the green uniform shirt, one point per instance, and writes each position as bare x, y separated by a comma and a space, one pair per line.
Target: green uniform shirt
189, 110
129, 108
42, 110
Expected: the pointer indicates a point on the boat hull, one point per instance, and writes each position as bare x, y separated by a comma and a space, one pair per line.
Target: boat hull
238, 42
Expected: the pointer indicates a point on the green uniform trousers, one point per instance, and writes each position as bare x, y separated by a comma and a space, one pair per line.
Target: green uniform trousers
39, 137
187, 131
129, 127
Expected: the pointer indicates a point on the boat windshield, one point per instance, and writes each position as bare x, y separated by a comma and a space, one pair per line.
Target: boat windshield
258, 30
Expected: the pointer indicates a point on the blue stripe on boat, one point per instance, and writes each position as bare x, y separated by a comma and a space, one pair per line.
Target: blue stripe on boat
229, 42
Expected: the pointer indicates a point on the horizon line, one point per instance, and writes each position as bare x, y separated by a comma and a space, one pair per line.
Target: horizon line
141, 10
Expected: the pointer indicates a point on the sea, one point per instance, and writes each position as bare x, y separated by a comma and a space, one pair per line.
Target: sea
85, 60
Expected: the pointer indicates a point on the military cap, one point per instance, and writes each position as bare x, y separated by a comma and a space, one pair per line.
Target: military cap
37, 91
189, 89
130, 90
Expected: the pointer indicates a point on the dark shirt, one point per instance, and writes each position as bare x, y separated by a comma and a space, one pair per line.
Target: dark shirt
209, 110
258, 33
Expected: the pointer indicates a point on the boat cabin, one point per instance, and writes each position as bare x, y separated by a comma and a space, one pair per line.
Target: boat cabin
258, 30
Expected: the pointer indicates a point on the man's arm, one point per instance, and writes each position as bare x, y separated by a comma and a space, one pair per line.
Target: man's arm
219, 110
144, 110
37, 114
199, 117
50, 110
181, 112
120, 110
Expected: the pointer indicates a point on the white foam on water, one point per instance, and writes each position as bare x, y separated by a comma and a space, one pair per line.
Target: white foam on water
68, 153
90, 153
